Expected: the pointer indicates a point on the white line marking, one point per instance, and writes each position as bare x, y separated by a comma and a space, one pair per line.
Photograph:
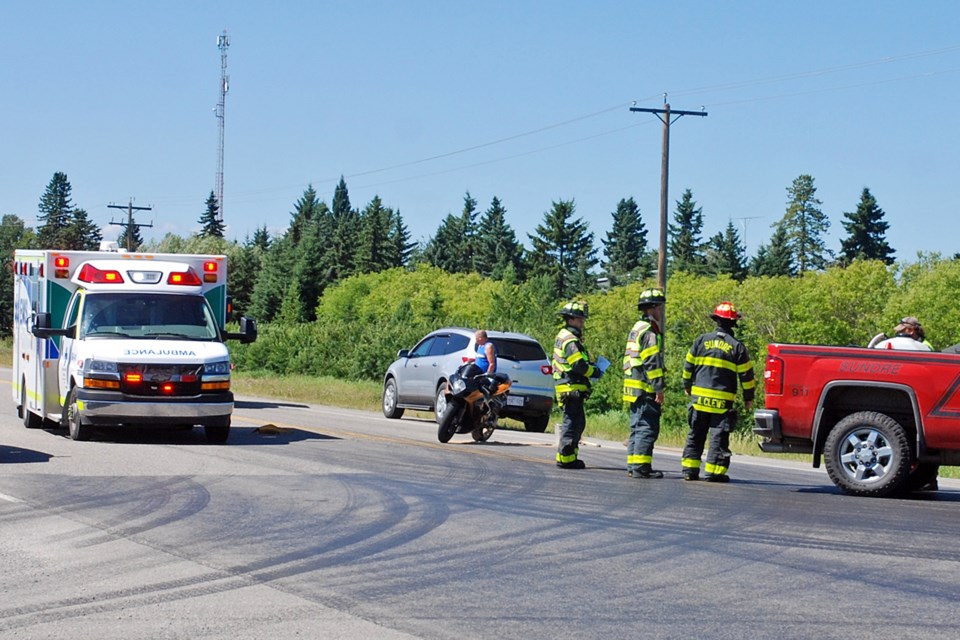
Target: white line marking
4, 496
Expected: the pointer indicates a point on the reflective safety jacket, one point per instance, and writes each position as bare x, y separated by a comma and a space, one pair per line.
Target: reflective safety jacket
572, 367
714, 364
642, 361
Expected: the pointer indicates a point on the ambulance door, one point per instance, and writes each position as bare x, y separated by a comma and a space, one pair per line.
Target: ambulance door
68, 345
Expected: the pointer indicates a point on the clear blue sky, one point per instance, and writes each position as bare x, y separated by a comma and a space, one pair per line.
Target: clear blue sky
419, 102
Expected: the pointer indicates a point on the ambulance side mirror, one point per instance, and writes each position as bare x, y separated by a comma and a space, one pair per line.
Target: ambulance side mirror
41, 327
248, 331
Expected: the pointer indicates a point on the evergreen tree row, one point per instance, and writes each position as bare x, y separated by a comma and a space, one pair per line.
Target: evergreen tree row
283, 278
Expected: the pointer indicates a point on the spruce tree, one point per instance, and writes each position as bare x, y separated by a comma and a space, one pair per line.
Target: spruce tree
54, 215
775, 258
245, 266
625, 247
563, 251
274, 280
726, 255
210, 223
341, 200
453, 247
374, 251
400, 247
341, 234
310, 271
685, 246
261, 238
132, 233
443, 250
305, 211
805, 225
82, 233
866, 233
497, 248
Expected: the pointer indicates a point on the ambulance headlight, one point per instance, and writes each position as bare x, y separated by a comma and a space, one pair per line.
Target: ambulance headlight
221, 368
99, 366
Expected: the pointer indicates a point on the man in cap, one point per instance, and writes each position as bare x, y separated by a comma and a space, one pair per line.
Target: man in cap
909, 335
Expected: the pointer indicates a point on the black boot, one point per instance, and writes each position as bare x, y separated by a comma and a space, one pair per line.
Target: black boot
645, 471
576, 464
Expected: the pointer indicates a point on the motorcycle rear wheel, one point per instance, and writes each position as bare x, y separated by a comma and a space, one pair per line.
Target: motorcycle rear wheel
482, 434
450, 420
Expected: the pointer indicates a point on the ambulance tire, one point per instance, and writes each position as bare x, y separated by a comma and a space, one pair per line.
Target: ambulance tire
30, 419
217, 433
78, 430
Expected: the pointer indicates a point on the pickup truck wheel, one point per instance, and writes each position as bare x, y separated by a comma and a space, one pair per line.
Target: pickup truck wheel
390, 400
868, 454
78, 430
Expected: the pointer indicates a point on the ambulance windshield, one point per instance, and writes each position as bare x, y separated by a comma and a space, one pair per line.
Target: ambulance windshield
151, 316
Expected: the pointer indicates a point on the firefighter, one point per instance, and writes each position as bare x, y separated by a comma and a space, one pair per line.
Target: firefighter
643, 383
714, 363
572, 372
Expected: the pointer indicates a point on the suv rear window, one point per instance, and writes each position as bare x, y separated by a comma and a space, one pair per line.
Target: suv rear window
519, 350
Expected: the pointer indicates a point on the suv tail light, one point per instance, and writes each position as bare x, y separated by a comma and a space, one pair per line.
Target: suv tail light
773, 376
546, 370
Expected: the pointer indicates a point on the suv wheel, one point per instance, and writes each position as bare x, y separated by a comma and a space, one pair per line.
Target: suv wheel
537, 424
389, 404
441, 402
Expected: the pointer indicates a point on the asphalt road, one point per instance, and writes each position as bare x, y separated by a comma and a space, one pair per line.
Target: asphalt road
317, 522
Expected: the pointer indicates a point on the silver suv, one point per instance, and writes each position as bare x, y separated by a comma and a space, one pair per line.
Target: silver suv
416, 380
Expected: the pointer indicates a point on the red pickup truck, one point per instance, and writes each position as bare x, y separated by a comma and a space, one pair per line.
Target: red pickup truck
883, 421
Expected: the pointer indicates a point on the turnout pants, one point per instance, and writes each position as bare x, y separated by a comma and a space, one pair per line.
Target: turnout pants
644, 431
571, 428
718, 426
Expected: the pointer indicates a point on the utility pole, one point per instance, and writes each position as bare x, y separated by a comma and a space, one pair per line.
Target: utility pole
129, 224
223, 43
667, 117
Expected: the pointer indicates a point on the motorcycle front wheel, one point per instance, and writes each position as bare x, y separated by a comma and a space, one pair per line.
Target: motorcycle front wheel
450, 419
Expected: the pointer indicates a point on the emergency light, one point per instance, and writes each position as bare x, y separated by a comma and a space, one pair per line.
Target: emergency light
186, 278
210, 271
92, 275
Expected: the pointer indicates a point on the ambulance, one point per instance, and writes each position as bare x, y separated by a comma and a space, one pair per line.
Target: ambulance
110, 338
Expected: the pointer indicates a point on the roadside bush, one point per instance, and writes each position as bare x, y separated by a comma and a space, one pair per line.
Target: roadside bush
364, 320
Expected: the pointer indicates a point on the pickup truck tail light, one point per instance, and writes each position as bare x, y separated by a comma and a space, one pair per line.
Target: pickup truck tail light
773, 376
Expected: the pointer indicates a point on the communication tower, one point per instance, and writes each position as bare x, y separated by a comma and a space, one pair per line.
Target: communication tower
223, 43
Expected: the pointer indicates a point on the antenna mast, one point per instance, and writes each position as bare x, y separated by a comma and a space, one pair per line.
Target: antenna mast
223, 43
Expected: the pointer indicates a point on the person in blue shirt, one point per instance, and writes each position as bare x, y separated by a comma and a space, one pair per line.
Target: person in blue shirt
486, 358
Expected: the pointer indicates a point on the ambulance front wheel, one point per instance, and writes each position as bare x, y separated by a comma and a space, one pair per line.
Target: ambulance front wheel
78, 430
217, 433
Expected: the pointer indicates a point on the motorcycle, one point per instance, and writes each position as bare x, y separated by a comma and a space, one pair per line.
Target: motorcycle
474, 401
